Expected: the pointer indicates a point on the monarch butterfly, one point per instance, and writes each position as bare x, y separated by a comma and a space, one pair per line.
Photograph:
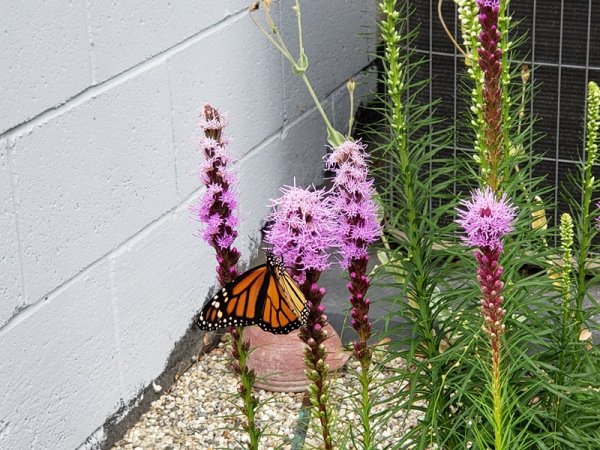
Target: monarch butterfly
265, 295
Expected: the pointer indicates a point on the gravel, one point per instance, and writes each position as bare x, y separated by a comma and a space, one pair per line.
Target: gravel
200, 411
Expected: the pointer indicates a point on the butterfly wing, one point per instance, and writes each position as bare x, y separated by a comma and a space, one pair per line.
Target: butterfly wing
236, 303
265, 295
294, 296
278, 315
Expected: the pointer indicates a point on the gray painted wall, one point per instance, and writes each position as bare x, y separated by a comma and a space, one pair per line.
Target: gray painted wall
100, 272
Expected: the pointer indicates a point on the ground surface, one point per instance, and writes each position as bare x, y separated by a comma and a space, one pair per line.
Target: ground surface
200, 412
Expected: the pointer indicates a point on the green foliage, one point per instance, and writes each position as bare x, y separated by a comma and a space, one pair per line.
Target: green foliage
547, 389
414, 173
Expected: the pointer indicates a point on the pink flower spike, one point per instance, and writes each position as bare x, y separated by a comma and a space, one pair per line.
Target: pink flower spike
353, 201
303, 230
217, 208
486, 220
358, 228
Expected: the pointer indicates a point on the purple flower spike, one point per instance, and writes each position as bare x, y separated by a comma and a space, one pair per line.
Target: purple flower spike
219, 202
486, 220
358, 228
302, 231
353, 201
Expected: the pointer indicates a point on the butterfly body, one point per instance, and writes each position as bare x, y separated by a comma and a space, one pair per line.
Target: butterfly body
265, 295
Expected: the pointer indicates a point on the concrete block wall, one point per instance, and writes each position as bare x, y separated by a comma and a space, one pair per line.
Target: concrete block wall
100, 271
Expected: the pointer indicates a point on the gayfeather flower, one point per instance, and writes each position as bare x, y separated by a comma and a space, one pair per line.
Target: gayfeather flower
486, 220
217, 211
353, 201
358, 228
303, 232
219, 202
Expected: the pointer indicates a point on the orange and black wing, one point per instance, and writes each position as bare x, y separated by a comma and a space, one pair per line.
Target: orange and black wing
293, 295
265, 296
283, 305
236, 304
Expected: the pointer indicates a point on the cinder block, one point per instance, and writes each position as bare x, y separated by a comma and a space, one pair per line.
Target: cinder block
304, 142
333, 43
124, 34
11, 289
44, 51
294, 156
60, 378
234, 6
366, 87
236, 70
92, 177
161, 279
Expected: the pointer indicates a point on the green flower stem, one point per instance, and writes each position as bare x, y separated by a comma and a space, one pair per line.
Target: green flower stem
497, 396
394, 74
318, 373
585, 233
314, 335
567, 337
334, 137
240, 352
417, 247
299, 66
365, 411
566, 238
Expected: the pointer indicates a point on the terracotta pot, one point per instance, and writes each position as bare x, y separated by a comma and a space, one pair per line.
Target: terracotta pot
278, 360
